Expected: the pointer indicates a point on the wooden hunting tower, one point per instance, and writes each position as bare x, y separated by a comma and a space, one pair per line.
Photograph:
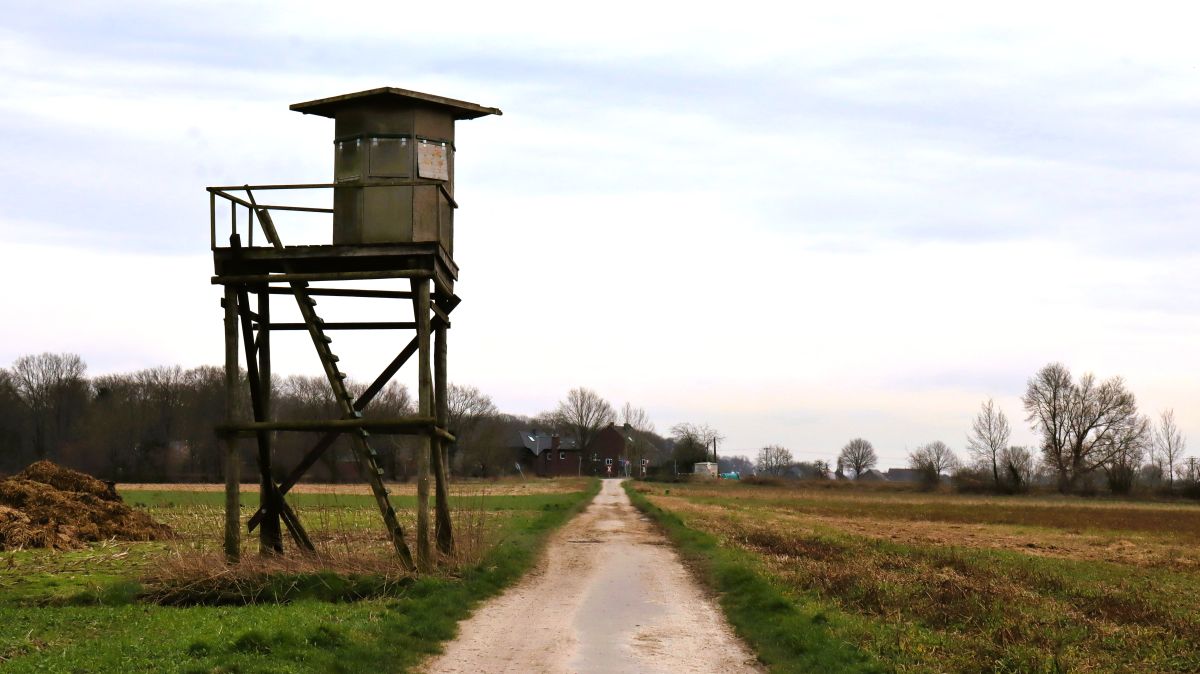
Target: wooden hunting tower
392, 218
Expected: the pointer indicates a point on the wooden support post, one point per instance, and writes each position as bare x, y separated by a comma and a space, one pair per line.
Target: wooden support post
232, 464
420, 288
443, 529
270, 537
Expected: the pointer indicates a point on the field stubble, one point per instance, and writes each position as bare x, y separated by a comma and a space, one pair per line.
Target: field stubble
940, 582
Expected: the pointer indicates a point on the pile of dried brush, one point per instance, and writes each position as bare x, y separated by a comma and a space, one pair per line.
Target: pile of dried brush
48, 506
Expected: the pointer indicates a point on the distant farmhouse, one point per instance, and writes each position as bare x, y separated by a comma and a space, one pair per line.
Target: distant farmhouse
607, 455
903, 475
548, 455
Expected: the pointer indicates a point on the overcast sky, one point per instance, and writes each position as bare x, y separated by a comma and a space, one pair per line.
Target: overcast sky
798, 227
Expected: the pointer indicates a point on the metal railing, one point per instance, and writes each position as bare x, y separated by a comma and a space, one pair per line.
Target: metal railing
250, 203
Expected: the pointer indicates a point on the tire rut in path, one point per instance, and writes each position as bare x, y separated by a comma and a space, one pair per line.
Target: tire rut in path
609, 595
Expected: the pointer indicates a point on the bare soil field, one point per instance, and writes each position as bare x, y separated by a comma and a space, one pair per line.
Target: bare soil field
942, 582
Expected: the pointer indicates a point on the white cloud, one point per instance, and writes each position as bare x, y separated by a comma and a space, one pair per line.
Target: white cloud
800, 226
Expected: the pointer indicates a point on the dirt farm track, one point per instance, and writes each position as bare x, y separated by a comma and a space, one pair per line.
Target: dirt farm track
609, 595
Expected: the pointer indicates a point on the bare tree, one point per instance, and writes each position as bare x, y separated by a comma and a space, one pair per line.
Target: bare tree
859, 456
1131, 442
469, 412
636, 418
1019, 466
584, 413
466, 407
1169, 445
693, 442
703, 434
989, 438
810, 470
11, 420
932, 460
773, 460
52, 388
639, 437
1189, 470
1083, 425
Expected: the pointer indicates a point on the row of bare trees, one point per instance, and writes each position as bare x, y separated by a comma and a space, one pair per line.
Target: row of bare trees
157, 424
1085, 427
129, 426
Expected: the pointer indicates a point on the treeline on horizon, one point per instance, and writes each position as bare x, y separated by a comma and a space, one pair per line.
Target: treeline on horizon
1091, 435
157, 424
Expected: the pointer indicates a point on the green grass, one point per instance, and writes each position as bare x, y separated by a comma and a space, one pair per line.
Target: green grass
78, 611
789, 633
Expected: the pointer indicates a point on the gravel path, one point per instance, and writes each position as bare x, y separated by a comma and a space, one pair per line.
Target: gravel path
610, 595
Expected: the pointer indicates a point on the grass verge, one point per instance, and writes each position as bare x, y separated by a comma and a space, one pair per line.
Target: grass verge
788, 634
116, 632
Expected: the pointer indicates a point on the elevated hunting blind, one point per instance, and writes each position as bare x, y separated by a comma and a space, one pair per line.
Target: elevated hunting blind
392, 218
393, 164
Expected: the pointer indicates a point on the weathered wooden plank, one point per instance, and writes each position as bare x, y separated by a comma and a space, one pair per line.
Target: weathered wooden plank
270, 540
232, 462
443, 528
319, 276
339, 425
348, 292
420, 288
351, 325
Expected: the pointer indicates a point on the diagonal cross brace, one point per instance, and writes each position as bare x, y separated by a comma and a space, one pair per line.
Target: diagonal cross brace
313, 455
366, 455
328, 439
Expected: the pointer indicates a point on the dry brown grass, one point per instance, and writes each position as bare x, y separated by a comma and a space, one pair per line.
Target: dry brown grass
1179, 520
943, 582
497, 487
353, 559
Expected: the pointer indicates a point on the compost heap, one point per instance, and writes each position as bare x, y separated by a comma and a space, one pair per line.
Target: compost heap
48, 506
